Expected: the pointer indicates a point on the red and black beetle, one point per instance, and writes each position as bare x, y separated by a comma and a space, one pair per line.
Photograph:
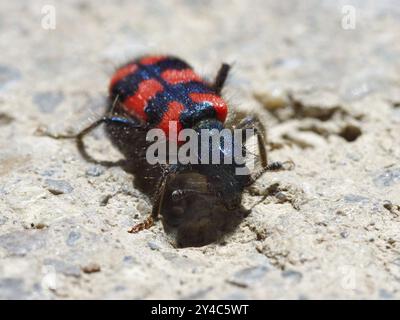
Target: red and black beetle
151, 91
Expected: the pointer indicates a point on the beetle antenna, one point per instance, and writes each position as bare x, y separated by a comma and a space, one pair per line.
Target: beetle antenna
114, 104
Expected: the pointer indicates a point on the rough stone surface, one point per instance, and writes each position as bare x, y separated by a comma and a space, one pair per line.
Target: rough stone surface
47, 101
328, 96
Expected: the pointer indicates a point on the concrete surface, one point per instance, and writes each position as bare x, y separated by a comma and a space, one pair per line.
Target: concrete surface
330, 97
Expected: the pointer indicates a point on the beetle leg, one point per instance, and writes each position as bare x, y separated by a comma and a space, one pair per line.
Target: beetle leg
253, 122
273, 166
146, 224
157, 206
221, 77
80, 136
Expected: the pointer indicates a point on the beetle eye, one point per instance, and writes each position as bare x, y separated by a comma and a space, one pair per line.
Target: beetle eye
177, 195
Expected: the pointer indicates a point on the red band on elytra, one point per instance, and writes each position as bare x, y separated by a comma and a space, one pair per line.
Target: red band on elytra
219, 104
151, 60
179, 76
122, 73
172, 114
147, 90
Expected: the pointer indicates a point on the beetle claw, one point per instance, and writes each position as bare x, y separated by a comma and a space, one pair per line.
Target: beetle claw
146, 224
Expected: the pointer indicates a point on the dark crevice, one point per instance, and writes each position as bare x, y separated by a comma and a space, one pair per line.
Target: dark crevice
294, 108
5, 119
350, 133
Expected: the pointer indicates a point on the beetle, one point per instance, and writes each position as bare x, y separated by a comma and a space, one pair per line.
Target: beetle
151, 91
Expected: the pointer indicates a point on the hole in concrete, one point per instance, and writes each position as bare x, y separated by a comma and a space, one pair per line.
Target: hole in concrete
5, 119
350, 133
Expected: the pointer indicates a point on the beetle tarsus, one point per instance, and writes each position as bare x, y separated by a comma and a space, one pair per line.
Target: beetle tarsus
146, 224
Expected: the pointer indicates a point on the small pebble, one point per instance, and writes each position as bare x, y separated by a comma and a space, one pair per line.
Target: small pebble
73, 237
391, 241
153, 245
57, 187
8, 75
293, 275
47, 172
273, 100
396, 262
354, 198
3, 220
39, 225
19, 243
60, 266
91, 268
387, 205
12, 289
384, 294
129, 259
119, 288
248, 276
388, 178
104, 199
344, 234
94, 171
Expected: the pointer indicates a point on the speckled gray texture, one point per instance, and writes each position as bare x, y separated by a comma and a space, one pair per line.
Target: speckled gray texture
329, 98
